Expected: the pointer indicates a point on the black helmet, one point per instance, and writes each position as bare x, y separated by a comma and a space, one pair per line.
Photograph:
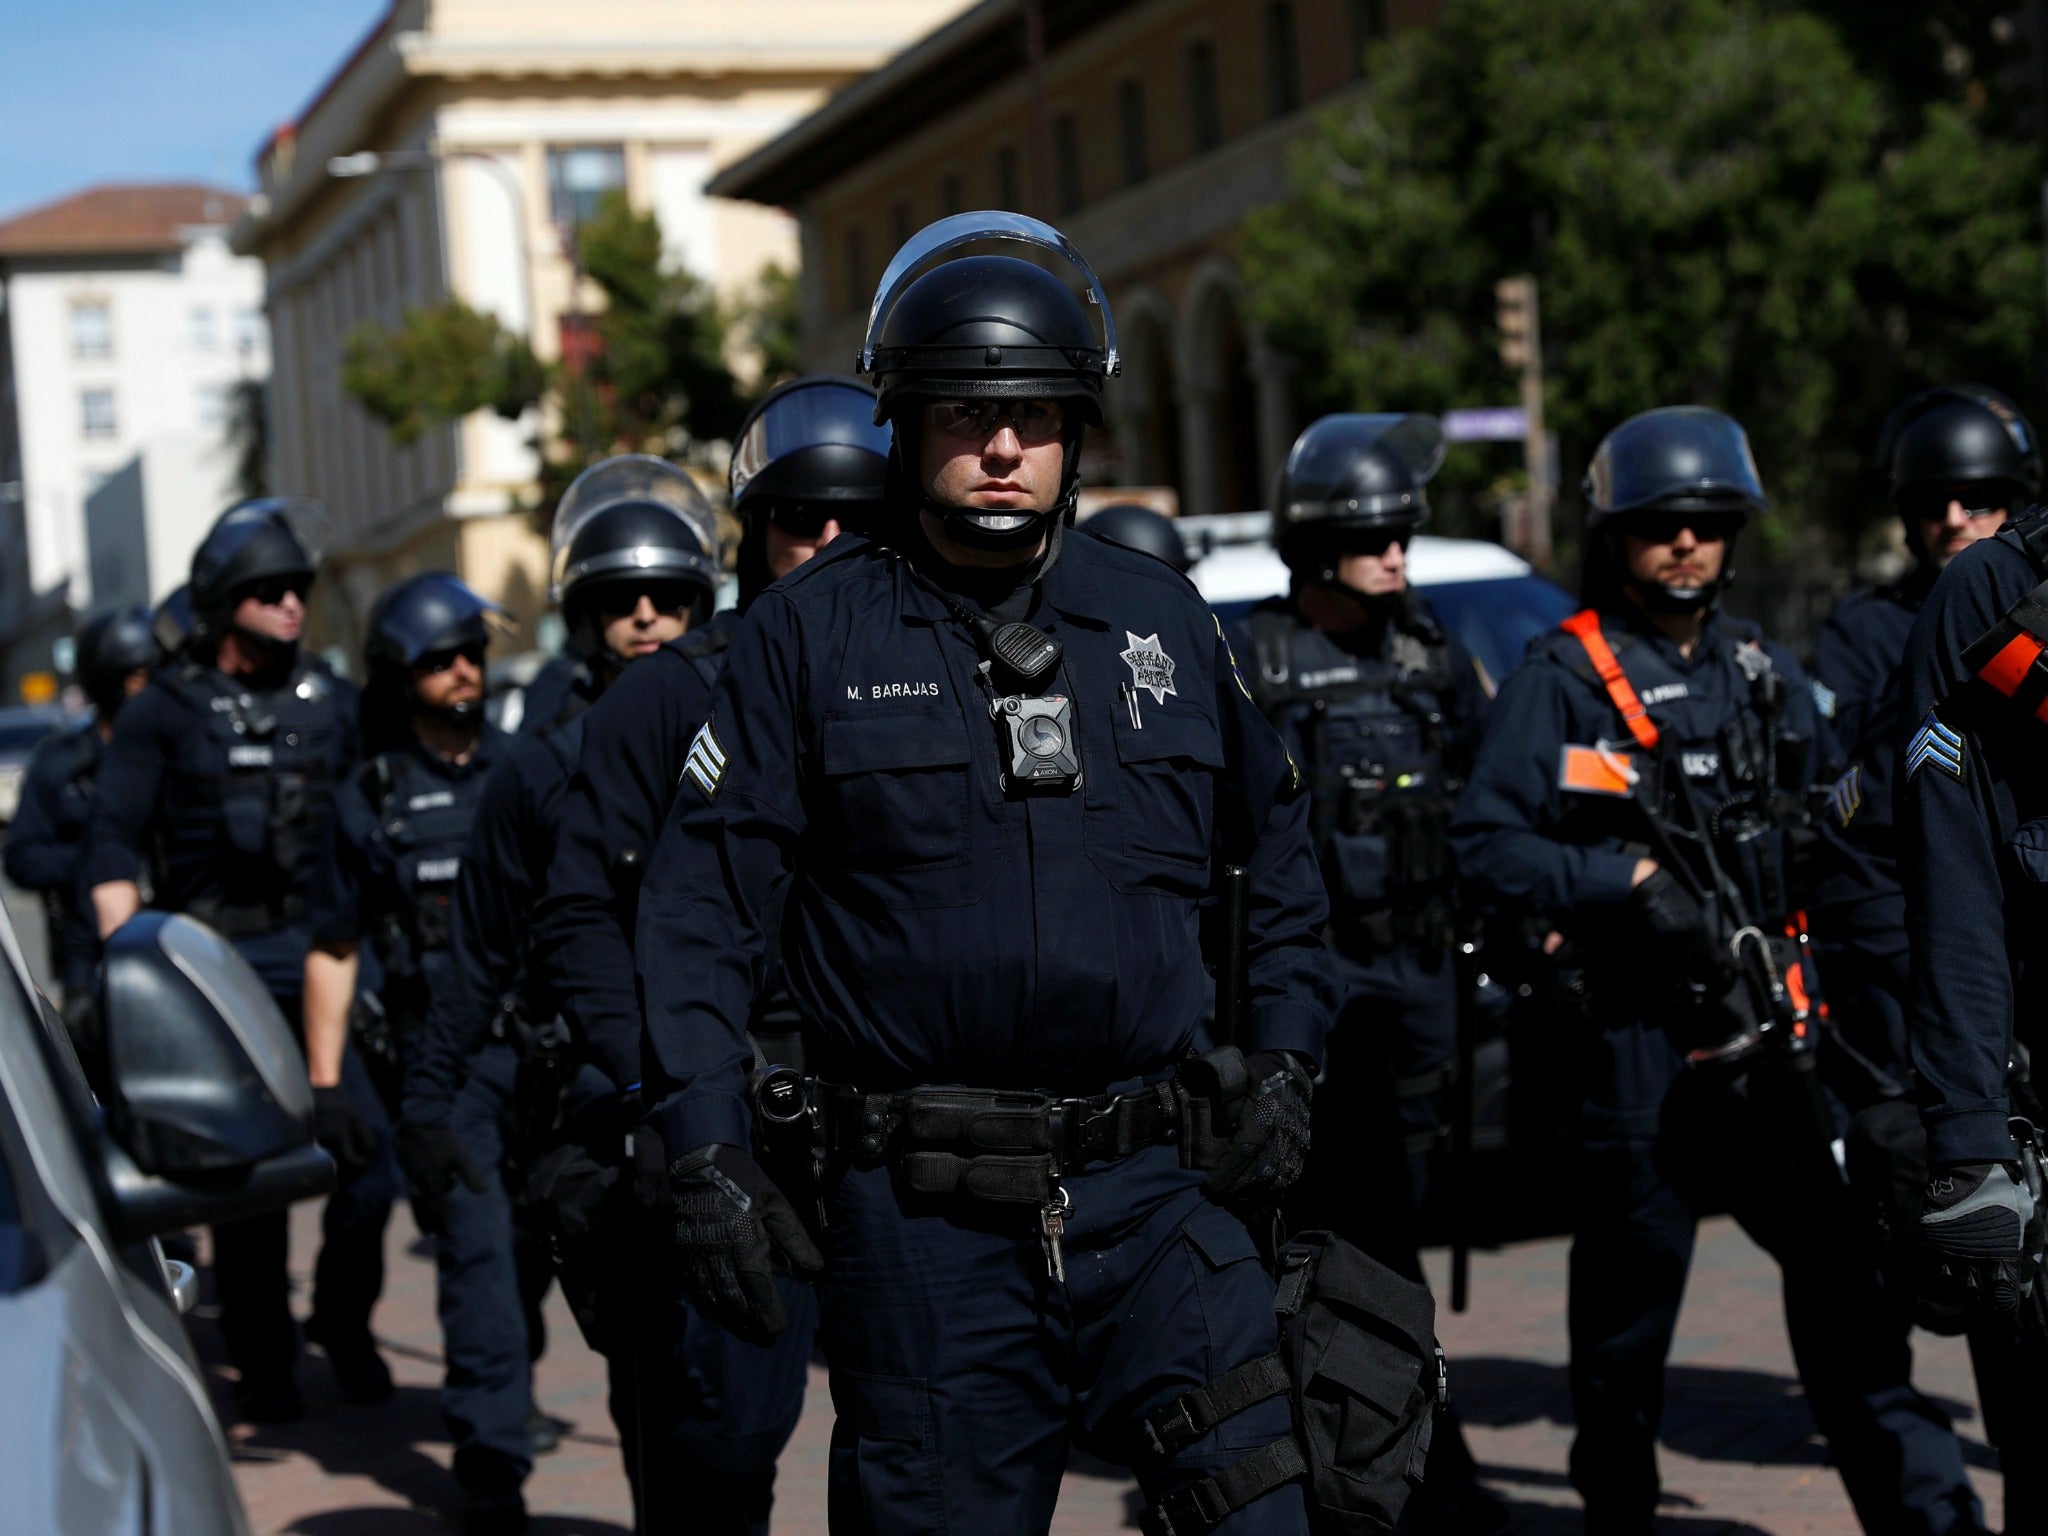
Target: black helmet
1351, 474
111, 645
423, 614
172, 620
250, 542
987, 327
1136, 526
1959, 434
809, 448
632, 517
1677, 458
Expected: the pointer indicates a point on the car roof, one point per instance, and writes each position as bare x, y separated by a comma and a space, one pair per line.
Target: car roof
1237, 564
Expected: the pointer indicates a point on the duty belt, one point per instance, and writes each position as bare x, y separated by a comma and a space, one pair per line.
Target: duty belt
242, 920
993, 1146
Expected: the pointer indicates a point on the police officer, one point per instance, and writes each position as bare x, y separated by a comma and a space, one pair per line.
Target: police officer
632, 570
46, 843
217, 789
1136, 526
1971, 800
1382, 707
808, 460
1957, 458
1634, 786
993, 763
394, 846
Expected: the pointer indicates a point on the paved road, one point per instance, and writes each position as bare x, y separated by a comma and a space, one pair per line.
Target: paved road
1740, 1456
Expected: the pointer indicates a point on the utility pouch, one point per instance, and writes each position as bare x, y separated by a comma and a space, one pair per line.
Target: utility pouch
1364, 1378
245, 818
1209, 1090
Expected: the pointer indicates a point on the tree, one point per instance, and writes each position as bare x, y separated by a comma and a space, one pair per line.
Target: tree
248, 436
1721, 206
444, 361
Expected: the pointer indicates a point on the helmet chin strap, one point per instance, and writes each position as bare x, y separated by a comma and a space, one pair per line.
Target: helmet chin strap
961, 523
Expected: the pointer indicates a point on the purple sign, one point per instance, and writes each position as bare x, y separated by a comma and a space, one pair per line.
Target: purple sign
1487, 424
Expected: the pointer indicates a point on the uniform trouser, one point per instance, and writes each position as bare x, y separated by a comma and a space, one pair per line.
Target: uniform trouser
252, 1277
1641, 1198
486, 1299
962, 1372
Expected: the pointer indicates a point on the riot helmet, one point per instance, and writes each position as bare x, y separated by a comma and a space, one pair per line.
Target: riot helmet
422, 620
172, 620
996, 328
111, 647
1957, 442
1136, 526
1678, 460
1351, 478
268, 539
809, 453
637, 522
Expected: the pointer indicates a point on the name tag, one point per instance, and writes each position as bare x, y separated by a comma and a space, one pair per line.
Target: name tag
433, 800
439, 871
249, 756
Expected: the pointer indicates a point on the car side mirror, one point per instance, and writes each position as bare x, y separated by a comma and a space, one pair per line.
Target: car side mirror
209, 1114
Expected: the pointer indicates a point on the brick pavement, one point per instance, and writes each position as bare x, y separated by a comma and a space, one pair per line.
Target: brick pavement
1740, 1455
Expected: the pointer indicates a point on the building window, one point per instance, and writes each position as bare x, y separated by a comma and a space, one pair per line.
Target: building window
1066, 154
213, 405
1283, 60
578, 180
1368, 26
248, 330
857, 295
96, 412
1205, 112
1007, 195
951, 199
92, 330
1130, 111
199, 329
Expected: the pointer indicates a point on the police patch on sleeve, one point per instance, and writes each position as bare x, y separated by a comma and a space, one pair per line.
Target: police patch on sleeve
1823, 699
704, 765
1935, 743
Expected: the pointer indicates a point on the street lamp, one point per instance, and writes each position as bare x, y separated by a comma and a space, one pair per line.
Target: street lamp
372, 162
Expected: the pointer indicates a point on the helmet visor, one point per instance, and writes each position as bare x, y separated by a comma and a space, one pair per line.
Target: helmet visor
829, 412
305, 519
435, 612
628, 477
925, 247
1687, 456
1322, 474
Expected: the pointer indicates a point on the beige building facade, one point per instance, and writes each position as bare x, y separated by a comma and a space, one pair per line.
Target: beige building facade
483, 131
1161, 125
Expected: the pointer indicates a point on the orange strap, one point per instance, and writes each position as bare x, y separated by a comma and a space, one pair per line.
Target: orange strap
1585, 625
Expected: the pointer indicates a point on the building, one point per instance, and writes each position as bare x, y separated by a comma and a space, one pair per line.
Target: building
1149, 132
129, 324
499, 124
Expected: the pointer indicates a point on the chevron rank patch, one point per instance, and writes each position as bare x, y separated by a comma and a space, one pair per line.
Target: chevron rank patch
1823, 699
1935, 743
1845, 795
704, 765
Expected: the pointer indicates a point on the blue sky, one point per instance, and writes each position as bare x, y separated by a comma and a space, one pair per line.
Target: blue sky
157, 90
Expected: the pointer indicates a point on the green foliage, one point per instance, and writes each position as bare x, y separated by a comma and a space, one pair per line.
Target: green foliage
444, 361
1721, 206
248, 436
766, 322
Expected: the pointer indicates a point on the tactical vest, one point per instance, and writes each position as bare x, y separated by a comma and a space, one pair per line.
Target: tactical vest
1380, 792
423, 824
2009, 657
272, 772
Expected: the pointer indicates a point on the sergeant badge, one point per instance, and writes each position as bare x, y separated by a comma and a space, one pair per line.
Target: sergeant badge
1823, 699
1151, 668
705, 761
1935, 743
1845, 795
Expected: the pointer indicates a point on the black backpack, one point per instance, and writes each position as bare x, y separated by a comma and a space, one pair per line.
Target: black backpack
1364, 1377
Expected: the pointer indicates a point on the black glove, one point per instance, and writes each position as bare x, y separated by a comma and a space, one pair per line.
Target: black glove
1270, 1142
343, 1130
728, 1222
434, 1157
1677, 927
1972, 1237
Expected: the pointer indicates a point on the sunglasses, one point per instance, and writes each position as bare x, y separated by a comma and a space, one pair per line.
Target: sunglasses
1665, 527
1034, 421
1375, 541
440, 661
275, 589
800, 520
1932, 506
621, 601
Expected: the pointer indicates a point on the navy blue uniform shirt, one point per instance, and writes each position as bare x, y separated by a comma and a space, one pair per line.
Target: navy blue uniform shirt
45, 848
1972, 808
627, 768
938, 929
